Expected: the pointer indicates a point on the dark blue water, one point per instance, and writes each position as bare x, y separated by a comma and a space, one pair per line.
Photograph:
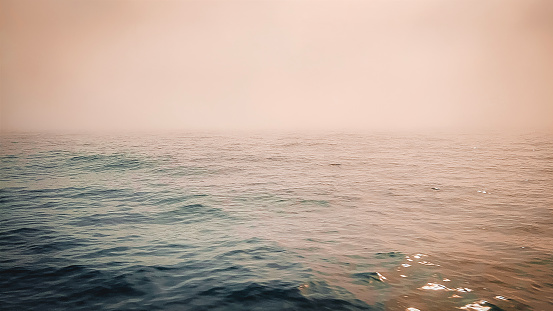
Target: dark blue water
276, 222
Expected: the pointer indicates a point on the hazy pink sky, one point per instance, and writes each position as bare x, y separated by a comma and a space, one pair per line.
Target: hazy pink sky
381, 64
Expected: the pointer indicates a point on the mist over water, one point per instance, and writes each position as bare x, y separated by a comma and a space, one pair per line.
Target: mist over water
276, 222
287, 65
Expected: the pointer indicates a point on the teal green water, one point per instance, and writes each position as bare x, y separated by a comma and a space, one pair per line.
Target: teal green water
276, 222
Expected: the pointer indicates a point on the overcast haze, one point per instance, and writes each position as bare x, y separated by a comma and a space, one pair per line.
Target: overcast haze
347, 65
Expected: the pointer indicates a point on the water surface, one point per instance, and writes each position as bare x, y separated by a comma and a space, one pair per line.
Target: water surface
276, 222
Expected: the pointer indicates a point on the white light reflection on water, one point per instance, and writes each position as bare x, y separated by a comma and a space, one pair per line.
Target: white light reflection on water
477, 306
381, 277
436, 286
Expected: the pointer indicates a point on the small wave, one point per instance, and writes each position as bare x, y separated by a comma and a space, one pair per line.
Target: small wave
110, 219
142, 287
191, 213
104, 162
374, 279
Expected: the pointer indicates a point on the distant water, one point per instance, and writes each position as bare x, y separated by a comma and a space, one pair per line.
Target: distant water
276, 222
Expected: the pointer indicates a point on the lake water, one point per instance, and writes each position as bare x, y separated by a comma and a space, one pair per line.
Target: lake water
276, 222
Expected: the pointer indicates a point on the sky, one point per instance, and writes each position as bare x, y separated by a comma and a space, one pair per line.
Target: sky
92, 65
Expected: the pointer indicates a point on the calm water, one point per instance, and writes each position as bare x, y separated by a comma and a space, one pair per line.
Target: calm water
276, 222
